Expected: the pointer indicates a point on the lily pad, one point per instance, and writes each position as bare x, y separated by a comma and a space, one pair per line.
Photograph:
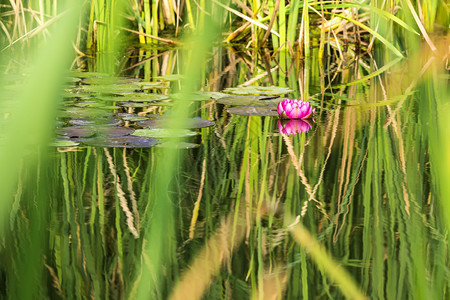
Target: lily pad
146, 97
88, 104
113, 89
72, 79
80, 112
152, 85
254, 110
197, 96
64, 143
249, 100
134, 118
89, 131
76, 93
196, 122
99, 121
163, 133
139, 104
111, 98
81, 74
125, 115
215, 95
107, 80
258, 90
121, 142
76, 131
109, 107
171, 77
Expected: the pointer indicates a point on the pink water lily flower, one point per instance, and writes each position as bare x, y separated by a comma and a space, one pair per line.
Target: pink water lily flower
293, 126
295, 109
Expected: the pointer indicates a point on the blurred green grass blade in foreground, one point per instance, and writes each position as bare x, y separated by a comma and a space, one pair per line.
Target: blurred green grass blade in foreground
27, 116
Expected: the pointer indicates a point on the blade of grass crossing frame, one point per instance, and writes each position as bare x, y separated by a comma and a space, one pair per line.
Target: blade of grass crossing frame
160, 236
320, 256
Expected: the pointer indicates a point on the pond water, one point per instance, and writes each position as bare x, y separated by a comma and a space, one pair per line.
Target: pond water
342, 206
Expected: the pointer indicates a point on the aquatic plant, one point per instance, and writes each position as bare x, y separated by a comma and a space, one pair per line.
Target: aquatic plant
293, 126
295, 109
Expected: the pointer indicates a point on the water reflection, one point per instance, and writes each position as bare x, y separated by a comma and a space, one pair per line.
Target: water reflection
358, 183
294, 126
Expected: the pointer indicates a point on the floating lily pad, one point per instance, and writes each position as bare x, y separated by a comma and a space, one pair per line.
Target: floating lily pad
197, 96
77, 131
87, 74
254, 110
139, 104
171, 77
99, 121
110, 107
79, 112
163, 133
72, 79
64, 143
59, 123
76, 93
152, 85
249, 100
88, 104
135, 118
196, 122
89, 131
215, 95
258, 90
124, 115
111, 98
113, 89
121, 142
146, 97
113, 131
134, 104
107, 80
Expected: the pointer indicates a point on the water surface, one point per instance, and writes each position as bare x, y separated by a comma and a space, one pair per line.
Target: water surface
358, 181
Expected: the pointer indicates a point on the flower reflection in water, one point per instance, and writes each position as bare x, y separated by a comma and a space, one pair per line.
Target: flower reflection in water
294, 126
